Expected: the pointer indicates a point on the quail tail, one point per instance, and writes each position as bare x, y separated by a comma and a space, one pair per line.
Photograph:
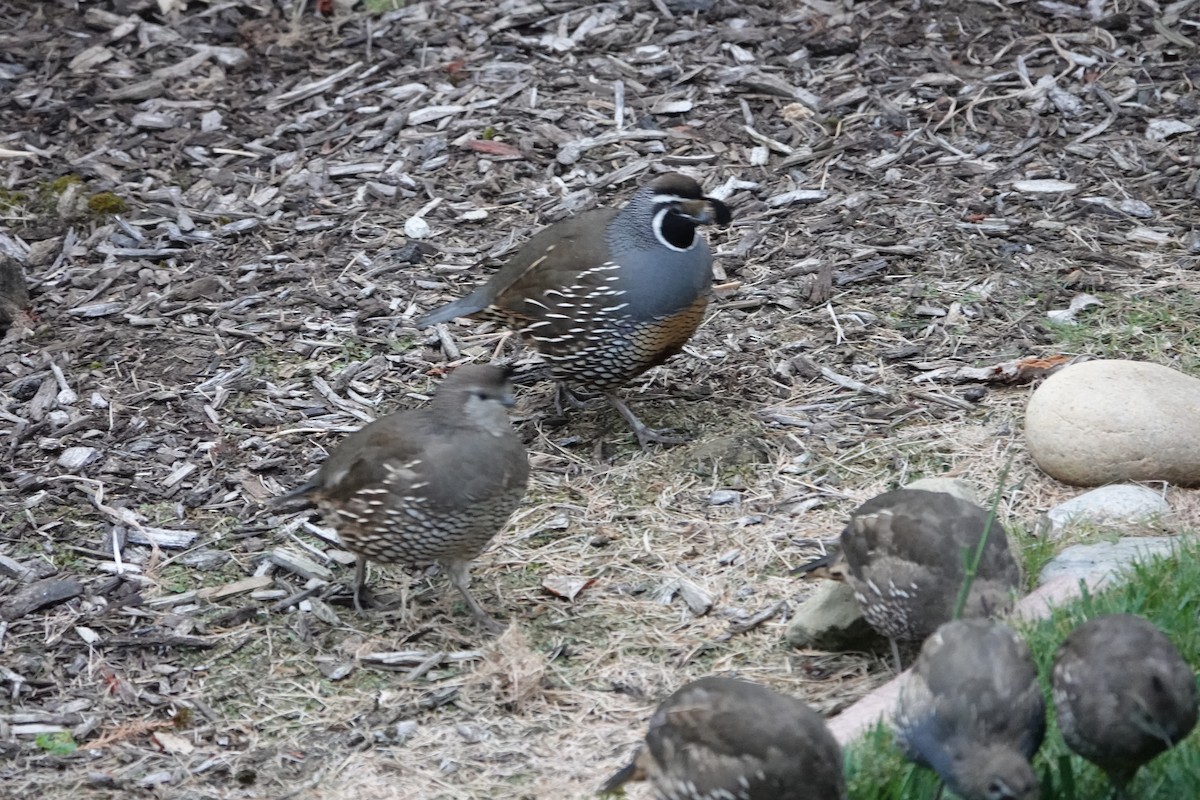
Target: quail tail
295, 496
624, 775
831, 567
463, 307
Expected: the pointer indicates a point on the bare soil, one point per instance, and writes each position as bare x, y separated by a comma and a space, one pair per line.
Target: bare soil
210, 205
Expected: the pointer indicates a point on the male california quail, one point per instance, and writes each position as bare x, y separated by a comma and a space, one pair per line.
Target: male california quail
905, 553
972, 710
1123, 694
431, 484
608, 294
726, 739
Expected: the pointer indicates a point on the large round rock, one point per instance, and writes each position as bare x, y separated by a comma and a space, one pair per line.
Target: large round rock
1105, 421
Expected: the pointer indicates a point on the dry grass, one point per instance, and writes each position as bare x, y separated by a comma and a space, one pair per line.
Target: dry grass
227, 363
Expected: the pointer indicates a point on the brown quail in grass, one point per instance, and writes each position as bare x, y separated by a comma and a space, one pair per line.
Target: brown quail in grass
429, 485
1123, 694
608, 294
726, 739
972, 710
904, 554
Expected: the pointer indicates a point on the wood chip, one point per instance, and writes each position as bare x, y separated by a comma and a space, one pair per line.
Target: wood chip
38, 595
235, 588
294, 562
567, 588
1044, 186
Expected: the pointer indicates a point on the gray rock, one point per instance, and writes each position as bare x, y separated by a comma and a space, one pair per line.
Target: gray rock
1120, 504
830, 619
955, 486
1100, 422
1083, 561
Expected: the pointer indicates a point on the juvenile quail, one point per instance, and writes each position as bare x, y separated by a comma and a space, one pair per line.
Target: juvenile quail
608, 294
1123, 694
972, 710
727, 739
905, 554
431, 484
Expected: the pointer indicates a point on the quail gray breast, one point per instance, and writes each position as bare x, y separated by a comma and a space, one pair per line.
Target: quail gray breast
433, 484
1123, 694
607, 294
973, 711
727, 739
905, 554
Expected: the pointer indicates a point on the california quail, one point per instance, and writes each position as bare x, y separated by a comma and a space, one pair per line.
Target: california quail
972, 710
432, 484
1123, 694
608, 294
726, 739
905, 553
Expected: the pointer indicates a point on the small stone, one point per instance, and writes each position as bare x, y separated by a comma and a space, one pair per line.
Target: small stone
723, 497
416, 228
1121, 504
955, 486
1087, 561
831, 619
1101, 422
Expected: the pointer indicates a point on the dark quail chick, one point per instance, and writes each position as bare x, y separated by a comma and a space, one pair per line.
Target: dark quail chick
1123, 694
726, 739
608, 294
432, 484
972, 710
905, 553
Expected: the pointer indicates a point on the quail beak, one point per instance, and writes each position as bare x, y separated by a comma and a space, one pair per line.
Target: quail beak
705, 211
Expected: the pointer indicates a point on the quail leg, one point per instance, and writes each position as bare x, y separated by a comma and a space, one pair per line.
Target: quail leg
644, 434
460, 578
363, 597
896, 655
360, 578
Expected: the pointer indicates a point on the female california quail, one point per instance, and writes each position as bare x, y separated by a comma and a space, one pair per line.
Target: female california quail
608, 294
1123, 694
432, 484
905, 554
726, 739
972, 710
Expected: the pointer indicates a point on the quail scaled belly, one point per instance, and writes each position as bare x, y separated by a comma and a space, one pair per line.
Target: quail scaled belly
905, 556
972, 710
727, 739
1123, 694
429, 485
608, 294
